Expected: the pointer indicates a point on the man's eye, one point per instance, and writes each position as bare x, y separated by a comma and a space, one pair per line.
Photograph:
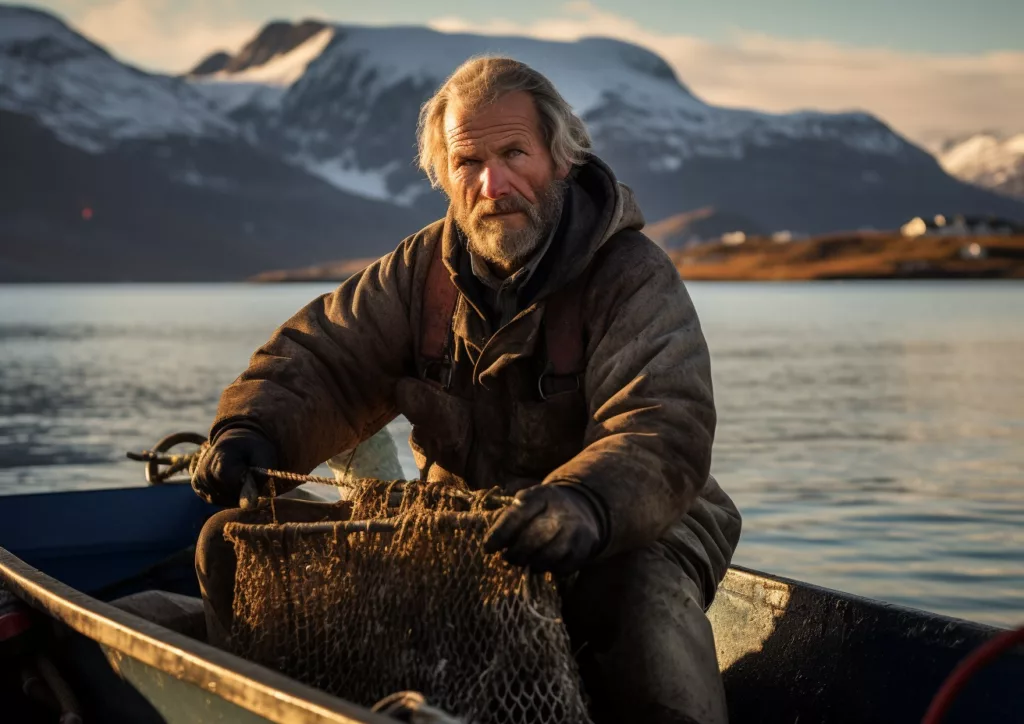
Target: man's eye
513, 152
463, 162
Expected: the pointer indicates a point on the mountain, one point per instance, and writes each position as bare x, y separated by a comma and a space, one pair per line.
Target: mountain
299, 149
344, 103
993, 161
108, 173
177, 210
86, 97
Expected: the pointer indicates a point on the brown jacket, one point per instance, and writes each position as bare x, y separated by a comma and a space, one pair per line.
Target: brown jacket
636, 437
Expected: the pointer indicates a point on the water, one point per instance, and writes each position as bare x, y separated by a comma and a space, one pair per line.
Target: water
871, 433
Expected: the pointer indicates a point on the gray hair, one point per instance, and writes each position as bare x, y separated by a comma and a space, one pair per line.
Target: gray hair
483, 80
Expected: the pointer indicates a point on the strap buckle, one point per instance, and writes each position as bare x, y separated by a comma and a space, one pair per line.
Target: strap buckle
444, 378
540, 385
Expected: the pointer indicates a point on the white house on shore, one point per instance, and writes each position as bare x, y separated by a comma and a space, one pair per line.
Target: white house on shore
960, 225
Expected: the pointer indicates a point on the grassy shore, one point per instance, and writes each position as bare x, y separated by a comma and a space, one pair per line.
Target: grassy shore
332, 271
862, 255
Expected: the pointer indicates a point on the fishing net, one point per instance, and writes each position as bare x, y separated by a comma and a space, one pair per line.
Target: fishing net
401, 597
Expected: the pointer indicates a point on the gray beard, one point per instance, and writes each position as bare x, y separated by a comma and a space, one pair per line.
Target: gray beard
509, 249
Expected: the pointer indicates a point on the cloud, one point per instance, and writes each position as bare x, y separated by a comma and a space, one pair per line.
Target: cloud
925, 96
161, 34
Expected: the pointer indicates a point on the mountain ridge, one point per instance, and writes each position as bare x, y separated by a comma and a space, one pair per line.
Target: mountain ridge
350, 119
607, 82
85, 95
301, 148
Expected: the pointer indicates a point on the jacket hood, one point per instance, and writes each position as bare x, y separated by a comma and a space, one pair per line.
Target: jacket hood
597, 206
618, 199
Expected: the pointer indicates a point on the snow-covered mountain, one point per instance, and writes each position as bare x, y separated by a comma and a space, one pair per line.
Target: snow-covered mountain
110, 173
342, 102
989, 160
265, 68
86, 97
300, 147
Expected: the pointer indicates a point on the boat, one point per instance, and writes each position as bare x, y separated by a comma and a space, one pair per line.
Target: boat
790, 652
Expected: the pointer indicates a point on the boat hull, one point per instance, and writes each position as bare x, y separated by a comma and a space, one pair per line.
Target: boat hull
183, 680
793, 652
789, 651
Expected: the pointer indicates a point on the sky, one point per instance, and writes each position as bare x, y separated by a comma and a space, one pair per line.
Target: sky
932, 69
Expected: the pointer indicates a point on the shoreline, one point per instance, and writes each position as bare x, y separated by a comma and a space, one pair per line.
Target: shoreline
868, 256
862, 255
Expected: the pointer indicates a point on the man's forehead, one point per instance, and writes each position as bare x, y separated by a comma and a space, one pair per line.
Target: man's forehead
511, 115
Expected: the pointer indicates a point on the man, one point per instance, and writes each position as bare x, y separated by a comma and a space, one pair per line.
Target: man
536, 340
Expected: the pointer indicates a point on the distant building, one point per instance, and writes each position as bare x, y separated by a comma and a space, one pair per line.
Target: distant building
973, 250
915, 227
734, 238
960, 225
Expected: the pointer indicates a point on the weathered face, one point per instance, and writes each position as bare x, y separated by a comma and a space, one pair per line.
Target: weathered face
502, 182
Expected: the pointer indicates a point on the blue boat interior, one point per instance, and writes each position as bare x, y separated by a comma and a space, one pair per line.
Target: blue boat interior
109, 543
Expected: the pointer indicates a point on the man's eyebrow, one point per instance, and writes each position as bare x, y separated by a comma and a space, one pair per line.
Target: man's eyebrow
514, 141
464, 149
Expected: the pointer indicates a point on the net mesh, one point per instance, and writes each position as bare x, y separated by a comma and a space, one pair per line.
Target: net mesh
402, 597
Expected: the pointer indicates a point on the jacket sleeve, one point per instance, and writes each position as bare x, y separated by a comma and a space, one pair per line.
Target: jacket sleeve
326, 378
647, 447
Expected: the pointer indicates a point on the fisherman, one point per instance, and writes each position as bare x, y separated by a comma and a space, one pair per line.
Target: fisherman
538, 341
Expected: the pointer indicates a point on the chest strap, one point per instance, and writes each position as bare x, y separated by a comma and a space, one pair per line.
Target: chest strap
439, 298
563, 330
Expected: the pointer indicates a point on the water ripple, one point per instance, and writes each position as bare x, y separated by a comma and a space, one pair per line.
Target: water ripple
872, 435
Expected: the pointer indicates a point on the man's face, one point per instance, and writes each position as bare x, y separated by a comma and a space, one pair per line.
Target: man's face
504, 187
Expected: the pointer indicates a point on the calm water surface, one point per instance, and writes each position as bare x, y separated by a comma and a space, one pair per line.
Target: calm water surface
871, 433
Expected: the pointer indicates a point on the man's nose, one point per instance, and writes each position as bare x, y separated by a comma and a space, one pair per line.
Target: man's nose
494, 182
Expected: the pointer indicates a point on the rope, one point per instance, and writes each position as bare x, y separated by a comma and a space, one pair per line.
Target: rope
968, 669
297, 478
70, 709
181, 463
487, 499
531, 608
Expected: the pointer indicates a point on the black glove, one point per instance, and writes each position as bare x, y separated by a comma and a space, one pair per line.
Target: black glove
219, 474
548, 528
